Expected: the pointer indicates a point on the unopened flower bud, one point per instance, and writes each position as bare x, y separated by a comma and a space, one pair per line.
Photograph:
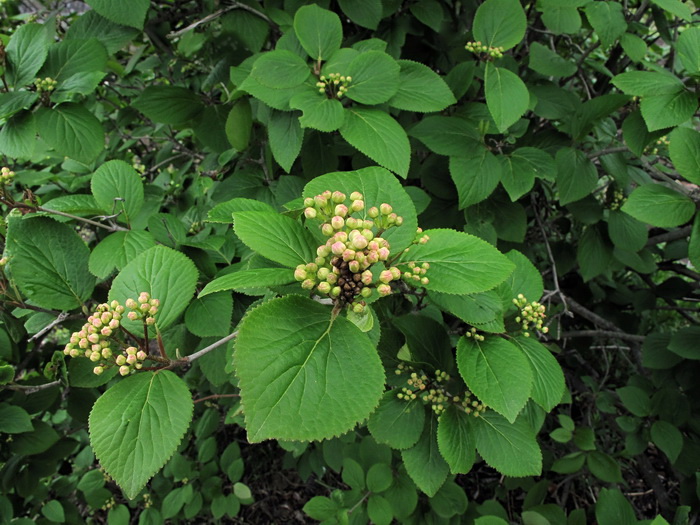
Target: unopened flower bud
354, 266
337, 222
120, 359
132, 350
131, 359
93, 338
320, 261
310, 213
74, 352
385, 208
106, 331
395, 272
98, 370
320, 201
337, 197
341, 210
132, 315
356, 196
130, 303
366, 277
383, 290
96, 348
383, 254
424, 281
307, 284
366, 293
308, 201
359, 242
373, 212
338, 248
332, 278
106, 317
358, 308
141, 355
152, 310
353, 223
300, 273
95, 356
386, 276
357, 205
83, 343
150, 321
335, 292
144, 307
324, 287
144, 297
106, 353
124, 370
114, 324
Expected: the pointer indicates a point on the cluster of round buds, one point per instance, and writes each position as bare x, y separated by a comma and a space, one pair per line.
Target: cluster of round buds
441, 376
334, 85
131, 359
531, 315
472, 333
143, 308
618, 199
660, 145
480, 49
6, 175
406, 394
438, 400
94, 339
416, 274
469, 405
45, 85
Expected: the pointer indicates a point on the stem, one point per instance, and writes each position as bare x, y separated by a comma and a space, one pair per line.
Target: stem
213, 346
31, 389
61, 317
215, 396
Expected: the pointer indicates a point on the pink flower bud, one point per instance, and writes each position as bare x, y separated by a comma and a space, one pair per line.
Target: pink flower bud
398, 221
356, 196
311, 267
141, 355
327, 229
310, 213
124, 370
67, 349
324, 287
357, 205
338, 197
132, 315
386, 276
106, 331
144, 307
152, 310
119, 309
307, 284
114, 304
93, 338
74, 352
372, 257
385, 208
116, 316
322, 273
373, 212
130, 303
144, 297
98, 370
373, 246
337, 222
341, 210
424, 281
96, 322
367, 224
308, 201
82, 333
132, 350
95, 356
383, 254
74, 339
120, 360
353, 223
359, 242
83, 343
366, 277
95, 348
391, 218
341, 236
114, 324
349, 255
91, 330
106, 353
320, 261
354, 266
150, 321
383, 290
367, 234
338, 248
106, 317
320, 201
130, 359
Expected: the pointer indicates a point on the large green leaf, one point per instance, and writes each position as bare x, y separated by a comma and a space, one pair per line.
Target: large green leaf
506, 95
667, 110
593, 253
92, 25
685, 153
676, 8
548, 379
377, 186
459, 263
125, 12
117, 250
509, 448
607, 20
497, 372
72, 131
239, 123
476, 176
473, 308
168, 104
304, 375
72, 57
549, 63
375, 78
26, 53
420, 89
644, 83
319, 31
452, 136
118, 189
379, 136
366, 14
576, 175
319, 111
500, 23
246, 279
561, 16
280, 69
18, 135
526, 279
277, 237
48, 262
286, 136
15, 420
136, 426
167, 275
211, 315
15, 101
626, 232
424, 463
397, 422
659, 206
688, 47
456, 439
684, 343
668, 438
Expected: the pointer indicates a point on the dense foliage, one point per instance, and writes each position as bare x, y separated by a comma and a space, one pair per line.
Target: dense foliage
443, 256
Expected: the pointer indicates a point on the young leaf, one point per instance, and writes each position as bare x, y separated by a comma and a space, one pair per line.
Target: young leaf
319, 111
635, 47
548, 379
126, 12
526, 279
168, 104
49, 262
420, 89
561, 17
613, 509
510, 448
476, 176
167, 275
423, 461
459, 263
378, 136
18, 135
685, 153
71, 58
117, 250
593, 253
684, 342
688, 47
604, 467
497, 372
456, 440
118, 189
16, 420
136, 425
223, 212
667, 110
397, 422
473, 309
607, 20
668, 438
286, 136
277, 237
239, 123
506, 95
548, 63
26, 53
304, 375
659, 206
499, 23
280, 69
576, 175
246, 279
319, 31
375, 78
72, 131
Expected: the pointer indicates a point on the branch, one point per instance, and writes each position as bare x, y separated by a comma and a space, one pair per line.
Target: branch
587, 314
604, 333
669, 236
61, 317
607, 151
213, 346
31, 389
217, 14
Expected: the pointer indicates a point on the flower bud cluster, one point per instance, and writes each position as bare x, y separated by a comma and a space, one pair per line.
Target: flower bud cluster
45, 85
531, 315
469, 405
472, 333
144, 308
480, 49
334, 85
618, 199
416, 274
6, 175
660, 146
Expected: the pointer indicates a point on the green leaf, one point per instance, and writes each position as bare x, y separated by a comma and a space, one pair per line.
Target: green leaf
604, 467
73, 57
49, 263
548, 379
506, 96
397, 422
607, 20
635, 400
665, 111
130, 13
636, 135
456, 440
223, 212
72, 131
427, 342
277, 237
655, 352
646, 83
375, 78
166, 275
246, 279
423, 461
319, 111
499, 23
510, 448
136, 425
378, 136
118, 189
14, 419
92, 25
286, 136
635, 47
379, 477
379, 510
688, 48
561, 16
451, 136
548, 63
319, 31
366, 14
377, 186
280, 69
18, 135
668, 438
684, 342
694, 244
473, 309
168, 104
497, 372
53, 511
117, 250
613, 509
593, 254
26, 53
626, 232
659, 206
526, 279
475, 176
459, 263
676, 8
39, 440
353, 474
239, 123
81, 375
685, 153
15, 101
210, 316
576, 175
303, 374
420, 89
275, 98
429, 12
320, 508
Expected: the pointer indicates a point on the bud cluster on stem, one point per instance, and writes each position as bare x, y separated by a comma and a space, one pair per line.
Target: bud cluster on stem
480, 49
532, 314
334, 85
6, 175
